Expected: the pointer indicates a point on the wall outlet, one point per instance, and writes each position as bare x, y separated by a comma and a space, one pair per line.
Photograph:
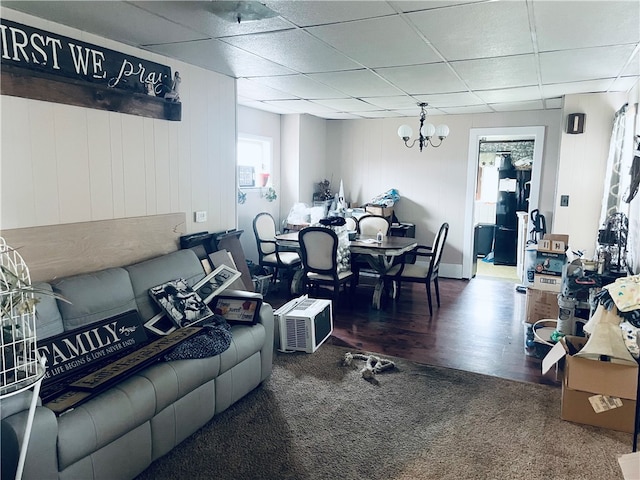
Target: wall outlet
200, 217
564, 200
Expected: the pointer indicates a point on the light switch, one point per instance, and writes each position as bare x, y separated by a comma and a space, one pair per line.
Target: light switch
564, 200
200, 217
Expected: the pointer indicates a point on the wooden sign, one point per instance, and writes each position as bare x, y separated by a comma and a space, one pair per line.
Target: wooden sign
98, 381
37, 64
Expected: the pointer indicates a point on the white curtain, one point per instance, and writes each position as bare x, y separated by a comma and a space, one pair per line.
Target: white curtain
612, 195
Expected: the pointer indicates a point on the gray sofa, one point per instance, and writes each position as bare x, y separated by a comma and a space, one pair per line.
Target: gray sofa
117, 434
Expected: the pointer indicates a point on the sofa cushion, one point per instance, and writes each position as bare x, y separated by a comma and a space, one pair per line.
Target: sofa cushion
94, 296
48, 318
158, 270
101, 420
247, 340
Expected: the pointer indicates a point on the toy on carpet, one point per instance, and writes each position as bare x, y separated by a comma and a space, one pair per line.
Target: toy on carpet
373, 365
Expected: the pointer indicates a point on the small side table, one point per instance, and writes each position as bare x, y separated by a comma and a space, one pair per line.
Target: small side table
35, 383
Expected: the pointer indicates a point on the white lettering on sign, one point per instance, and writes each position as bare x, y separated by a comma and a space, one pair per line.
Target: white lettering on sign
45, 47
128, 69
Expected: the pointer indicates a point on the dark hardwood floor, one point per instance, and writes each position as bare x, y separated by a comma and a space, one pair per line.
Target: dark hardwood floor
478, 328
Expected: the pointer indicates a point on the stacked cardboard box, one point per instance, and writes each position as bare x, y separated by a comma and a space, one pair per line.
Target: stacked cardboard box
550, 260
594, 392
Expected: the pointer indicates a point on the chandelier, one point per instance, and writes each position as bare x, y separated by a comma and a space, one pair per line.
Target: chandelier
427, 131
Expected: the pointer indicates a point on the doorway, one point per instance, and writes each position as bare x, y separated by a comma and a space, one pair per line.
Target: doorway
496, 151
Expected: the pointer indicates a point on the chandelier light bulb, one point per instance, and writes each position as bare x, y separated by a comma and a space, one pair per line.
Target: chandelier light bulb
405, 132
442, 131
427, 130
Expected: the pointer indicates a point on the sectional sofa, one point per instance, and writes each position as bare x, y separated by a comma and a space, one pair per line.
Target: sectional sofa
118, 433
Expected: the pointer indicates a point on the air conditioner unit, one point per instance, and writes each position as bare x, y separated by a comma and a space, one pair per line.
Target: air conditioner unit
304, 324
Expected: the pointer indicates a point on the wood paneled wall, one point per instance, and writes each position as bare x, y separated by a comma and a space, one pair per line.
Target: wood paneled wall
65, 164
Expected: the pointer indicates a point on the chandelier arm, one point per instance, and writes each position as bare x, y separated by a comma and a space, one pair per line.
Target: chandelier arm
434, 145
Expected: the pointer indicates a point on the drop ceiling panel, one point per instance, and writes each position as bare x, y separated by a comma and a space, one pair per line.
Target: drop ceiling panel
356, 83
481, 30
569, 88
257, 91
459, 99
467, 110
569, 24
584, 64
414, 5
220, 57
398, 102
423, 79
323, 12
500, 72
300, 86
379, 42
347, 105
198, 16
517, 106
301, 106
116, 20
517, 94
294, 49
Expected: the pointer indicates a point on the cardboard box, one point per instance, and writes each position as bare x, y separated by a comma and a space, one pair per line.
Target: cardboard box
541, 304
550, 263
378, 210
553, 242
548, 283
593, 385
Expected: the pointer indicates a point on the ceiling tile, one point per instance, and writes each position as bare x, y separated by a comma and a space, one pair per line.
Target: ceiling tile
584, 64
300, 86
500, 72
623, 84
220, 57
198, 16
257, 91
553, 102
590, 86
347, 104
116, 20
414, 5
394, 102
517, 106
517, 94
294, 49
467, 110
562, 25
266, 106
423, 79
479, 30
380, 42
341, 116
459, 99
357, 83
323, 12
300, 106
379, 114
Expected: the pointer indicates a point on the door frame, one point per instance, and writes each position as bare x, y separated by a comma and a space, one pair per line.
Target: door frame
536, 133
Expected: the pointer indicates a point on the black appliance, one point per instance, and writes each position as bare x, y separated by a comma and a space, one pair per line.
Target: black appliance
513, 196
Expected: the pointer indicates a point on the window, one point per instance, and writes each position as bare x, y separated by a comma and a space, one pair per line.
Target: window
254, 161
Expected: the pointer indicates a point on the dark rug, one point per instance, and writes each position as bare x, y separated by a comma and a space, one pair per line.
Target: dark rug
316, 418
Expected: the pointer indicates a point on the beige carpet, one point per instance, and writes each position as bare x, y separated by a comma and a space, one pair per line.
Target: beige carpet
504, 272
317, 419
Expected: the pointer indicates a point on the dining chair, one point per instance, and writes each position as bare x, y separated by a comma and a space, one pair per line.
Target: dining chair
319, 250
370, 225
270, 255
421, 271
351, 224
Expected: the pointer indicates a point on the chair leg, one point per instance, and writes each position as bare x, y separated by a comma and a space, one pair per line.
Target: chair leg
435, 282
429, 299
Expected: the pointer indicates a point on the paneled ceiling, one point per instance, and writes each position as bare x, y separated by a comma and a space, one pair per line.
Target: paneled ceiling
372, 59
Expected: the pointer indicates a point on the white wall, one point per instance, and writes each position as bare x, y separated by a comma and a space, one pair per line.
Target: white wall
64, 164
266, 125
371, 159
582, 170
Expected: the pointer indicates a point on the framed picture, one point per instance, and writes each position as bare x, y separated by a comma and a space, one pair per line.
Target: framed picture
214, 283
180, 302
237, 309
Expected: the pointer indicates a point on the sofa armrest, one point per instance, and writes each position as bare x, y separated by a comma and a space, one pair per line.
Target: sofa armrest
42, 456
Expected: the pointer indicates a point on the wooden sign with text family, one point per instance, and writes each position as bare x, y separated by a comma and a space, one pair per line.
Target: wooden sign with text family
45, 66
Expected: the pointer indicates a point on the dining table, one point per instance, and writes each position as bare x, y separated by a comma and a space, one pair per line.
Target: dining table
379, 255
